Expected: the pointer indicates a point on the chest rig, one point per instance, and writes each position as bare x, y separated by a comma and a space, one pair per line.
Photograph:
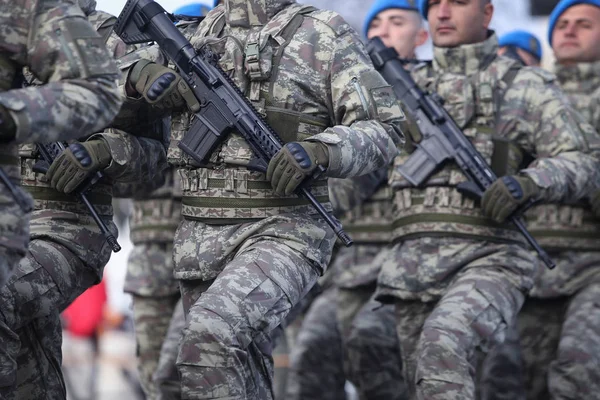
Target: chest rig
474, 102
226, 191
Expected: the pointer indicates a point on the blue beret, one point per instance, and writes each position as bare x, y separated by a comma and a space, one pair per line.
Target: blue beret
382, 5
523, 40
192, 10
424, 7
560, 8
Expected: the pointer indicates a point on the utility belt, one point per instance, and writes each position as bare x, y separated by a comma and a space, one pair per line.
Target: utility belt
235, 194
564, 227
370, 223
155, 220
443, 211
45, 197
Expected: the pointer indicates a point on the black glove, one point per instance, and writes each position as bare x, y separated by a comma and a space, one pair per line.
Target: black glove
295, 162
77, 163
506, 195
161, 86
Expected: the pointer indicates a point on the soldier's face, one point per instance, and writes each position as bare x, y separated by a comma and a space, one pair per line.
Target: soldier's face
576, 35
400, 29
457, 22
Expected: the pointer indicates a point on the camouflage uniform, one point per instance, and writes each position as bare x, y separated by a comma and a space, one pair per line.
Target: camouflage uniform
457, 278
150, 273
66, 256
79, 95
560, 359
252, 254
344, 320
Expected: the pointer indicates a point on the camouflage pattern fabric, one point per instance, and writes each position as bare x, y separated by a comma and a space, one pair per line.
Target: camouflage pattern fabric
166, 377
531, 118
316, 360
67, 255
262, 270
372, 350
80, 93
275, 248
440, 335
501, 375
151, 317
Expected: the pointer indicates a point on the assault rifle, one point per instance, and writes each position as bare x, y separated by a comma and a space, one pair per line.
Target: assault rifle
49, 152
223, 107
442, 140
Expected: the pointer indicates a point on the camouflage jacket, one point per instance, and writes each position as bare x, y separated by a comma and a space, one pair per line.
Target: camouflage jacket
133, 159
564, 227
530, 119
322, 86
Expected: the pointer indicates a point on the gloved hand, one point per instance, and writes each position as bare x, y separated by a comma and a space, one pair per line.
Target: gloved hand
8, 129
595, 200
506, 195
295, 162
161, 86
77, 163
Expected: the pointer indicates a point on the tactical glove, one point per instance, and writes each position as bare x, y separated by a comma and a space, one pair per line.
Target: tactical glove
8, 129
596, 203
161, 86
506, 195
295, 162
77, 163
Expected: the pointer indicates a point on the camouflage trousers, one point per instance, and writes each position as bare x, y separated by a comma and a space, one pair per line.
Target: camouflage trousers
155, 295
66, 255
443, 341
555, 346
358, 344
166, 378
249, 276
316, 360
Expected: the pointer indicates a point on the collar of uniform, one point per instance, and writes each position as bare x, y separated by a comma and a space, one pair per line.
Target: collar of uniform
467, 59
248, 13
582, 77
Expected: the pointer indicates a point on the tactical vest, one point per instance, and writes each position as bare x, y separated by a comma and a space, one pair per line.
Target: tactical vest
155, 218
437, 208
571, 227
371, 222
227, 191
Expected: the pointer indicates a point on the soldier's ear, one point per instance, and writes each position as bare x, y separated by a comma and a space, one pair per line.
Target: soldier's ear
488, 13
422, 36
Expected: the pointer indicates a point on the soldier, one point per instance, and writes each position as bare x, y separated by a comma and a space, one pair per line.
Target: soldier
80, 94
248, 249
150, 281
67, 251
521, 45
358, 332
561, 359
460, 273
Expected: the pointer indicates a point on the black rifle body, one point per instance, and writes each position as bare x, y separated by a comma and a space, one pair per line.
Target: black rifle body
49, 152
442, 140
223, 107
